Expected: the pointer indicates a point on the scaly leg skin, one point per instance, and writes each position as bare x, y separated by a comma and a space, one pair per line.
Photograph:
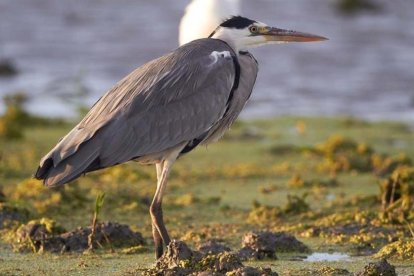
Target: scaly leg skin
158, 228
159, 248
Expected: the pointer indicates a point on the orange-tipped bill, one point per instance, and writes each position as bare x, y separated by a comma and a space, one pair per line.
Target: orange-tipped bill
280, 35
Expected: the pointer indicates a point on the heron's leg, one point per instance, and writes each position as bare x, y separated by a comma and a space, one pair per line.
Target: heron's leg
156, 235
156, 206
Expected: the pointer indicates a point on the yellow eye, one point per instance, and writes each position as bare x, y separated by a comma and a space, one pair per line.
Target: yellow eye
254, 29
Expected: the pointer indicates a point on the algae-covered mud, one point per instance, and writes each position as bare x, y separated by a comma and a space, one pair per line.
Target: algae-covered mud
289, 196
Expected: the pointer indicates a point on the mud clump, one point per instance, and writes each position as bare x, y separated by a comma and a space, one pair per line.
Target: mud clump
402, 250
397, 195
44, 235
223, 262
213, 247
343, 155
107, 233
381, 268
340, 154
260, 245
177, 254
179, 259
36, 235
262, 214
330, 271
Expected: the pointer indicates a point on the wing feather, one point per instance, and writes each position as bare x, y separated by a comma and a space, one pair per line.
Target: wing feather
163, 103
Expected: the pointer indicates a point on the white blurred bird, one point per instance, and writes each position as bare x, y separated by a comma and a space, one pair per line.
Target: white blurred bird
202, 17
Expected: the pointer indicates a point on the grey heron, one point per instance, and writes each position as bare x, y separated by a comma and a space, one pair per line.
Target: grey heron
166, 108
203, 16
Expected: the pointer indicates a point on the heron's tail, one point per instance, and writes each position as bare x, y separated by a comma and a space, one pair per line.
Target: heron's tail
55, 170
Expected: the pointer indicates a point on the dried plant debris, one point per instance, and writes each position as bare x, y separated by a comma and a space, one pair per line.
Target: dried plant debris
401, 250
44, 235
381, 268
179, 259
260, 245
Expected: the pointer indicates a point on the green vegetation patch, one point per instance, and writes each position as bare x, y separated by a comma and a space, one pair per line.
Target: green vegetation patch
402, 250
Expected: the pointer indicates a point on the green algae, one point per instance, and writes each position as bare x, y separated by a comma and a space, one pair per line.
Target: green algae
342, 217
397, 195
401, 250
262, 214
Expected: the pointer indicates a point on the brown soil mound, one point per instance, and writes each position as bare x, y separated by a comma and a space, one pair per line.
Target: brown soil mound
402, 250
259, 245
181, 260
40, 238
381, 268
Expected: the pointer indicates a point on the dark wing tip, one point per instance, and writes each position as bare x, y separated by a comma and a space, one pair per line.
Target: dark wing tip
43, 170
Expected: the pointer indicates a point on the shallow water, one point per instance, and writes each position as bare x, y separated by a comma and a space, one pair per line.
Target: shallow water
84, 46
327, 257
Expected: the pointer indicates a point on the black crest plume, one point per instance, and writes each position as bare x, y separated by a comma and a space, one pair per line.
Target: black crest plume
237, 22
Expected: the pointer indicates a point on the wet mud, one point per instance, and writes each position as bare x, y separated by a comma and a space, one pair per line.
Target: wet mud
179, 259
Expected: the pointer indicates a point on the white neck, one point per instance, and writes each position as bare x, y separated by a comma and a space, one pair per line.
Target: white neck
232, 37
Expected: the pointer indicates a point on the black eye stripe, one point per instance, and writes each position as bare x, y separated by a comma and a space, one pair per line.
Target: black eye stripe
237, 22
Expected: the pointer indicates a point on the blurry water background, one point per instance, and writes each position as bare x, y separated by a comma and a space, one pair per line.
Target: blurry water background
69, 52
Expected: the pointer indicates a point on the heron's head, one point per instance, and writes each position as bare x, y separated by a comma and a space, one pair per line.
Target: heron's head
243, 33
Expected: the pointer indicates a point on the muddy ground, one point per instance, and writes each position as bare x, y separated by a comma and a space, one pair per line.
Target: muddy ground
291, 196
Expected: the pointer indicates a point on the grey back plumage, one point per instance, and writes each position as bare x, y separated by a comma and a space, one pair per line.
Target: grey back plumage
176, 98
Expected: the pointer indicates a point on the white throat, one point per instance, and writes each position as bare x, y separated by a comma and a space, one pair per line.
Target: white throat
233, 37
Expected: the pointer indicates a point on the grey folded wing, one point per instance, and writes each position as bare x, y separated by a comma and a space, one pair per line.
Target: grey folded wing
170, 100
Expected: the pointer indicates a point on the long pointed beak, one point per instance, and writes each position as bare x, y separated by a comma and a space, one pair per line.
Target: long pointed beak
280, 35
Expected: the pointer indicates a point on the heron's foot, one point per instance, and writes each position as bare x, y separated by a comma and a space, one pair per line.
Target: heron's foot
158, 242
159, 232
159, 246
159, 250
